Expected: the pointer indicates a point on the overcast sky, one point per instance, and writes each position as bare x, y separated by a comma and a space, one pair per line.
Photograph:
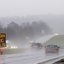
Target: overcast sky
30, 7
33, 7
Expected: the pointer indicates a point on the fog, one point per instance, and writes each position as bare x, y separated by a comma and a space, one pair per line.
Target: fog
25, 12
50, 11
30, 7
26, 21
55, 22
24, 32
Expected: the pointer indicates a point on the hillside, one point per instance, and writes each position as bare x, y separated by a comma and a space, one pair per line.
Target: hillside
56, 40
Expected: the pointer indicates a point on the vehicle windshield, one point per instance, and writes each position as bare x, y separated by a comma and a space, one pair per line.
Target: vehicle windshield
31, 31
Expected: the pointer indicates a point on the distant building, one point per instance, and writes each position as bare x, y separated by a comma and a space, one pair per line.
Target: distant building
52, 49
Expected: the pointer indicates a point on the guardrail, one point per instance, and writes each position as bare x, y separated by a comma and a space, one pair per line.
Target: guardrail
52, 59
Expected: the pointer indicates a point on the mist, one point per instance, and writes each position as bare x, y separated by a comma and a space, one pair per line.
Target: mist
26, 31
19, 13
55, 22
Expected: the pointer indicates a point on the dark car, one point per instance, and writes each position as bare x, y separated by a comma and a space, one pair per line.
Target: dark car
52, 49
36, 45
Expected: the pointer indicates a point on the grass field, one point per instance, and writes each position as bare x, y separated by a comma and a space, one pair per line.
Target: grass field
13, 51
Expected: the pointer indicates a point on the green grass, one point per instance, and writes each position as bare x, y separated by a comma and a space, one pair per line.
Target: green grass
13, 51
56, 40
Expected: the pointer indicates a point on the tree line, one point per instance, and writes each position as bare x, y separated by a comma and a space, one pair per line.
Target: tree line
26, 30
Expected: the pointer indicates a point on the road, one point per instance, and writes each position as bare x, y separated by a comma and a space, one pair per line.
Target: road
28, 57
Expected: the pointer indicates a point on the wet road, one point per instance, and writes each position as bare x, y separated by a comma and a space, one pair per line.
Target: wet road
28, 57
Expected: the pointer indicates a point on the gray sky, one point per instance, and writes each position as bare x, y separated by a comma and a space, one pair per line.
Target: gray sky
30, 7
33, 7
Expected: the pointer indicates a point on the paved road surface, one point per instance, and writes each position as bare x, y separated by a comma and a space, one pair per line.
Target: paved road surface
28, 57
